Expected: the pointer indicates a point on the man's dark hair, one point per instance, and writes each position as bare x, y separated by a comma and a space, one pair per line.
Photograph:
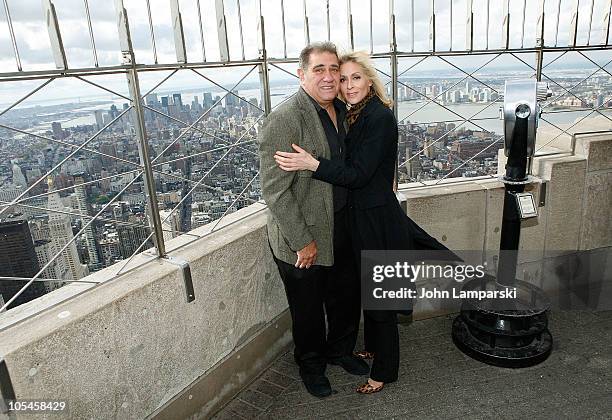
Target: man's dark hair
316, 47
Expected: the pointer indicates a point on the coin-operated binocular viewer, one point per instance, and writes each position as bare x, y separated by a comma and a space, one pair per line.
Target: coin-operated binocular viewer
510, 331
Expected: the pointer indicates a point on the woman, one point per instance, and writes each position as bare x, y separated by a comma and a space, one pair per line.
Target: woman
377, 220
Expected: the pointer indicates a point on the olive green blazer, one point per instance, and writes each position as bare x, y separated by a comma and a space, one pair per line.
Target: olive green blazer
300, 207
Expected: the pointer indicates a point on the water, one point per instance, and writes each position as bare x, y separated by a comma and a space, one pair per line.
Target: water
413, 111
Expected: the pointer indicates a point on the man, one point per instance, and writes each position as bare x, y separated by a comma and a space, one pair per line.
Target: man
307, 223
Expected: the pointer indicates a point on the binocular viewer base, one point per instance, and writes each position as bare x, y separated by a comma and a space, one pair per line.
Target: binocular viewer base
508, 332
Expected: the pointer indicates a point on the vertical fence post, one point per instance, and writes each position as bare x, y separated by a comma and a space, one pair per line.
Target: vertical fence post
540, 41
143, 146
222, 31
574, 24
394, 93
9, 22
451, 26
539, 59
393, 57
264, 77
177, 29
506, 25
282, 4
469, 27
606, 25
306, 25
91, 34
432, 26
55, 36
349, 23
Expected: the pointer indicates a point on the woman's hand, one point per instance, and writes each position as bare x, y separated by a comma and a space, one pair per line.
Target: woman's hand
302, 160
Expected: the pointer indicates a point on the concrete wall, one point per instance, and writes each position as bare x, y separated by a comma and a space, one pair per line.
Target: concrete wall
132, 347
127, 347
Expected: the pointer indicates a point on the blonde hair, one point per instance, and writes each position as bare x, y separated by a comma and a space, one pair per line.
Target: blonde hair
362, 58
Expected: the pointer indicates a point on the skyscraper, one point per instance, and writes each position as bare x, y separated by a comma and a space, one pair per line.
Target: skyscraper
45, 251
131, 236
58, 133
18, 177
99, 118
61, 234
89, 234
207, 100
151, 99
9, 192
232, 99
113, 111
177, 100
18, 259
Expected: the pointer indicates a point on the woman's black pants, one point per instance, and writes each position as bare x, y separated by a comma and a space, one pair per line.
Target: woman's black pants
382, 338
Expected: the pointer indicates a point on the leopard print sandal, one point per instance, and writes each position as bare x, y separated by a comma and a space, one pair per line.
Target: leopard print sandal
364, 355
368, 388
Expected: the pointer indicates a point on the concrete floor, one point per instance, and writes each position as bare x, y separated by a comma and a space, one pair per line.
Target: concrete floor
437, 381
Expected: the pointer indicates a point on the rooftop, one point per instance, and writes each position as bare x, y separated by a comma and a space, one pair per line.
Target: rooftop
438, 381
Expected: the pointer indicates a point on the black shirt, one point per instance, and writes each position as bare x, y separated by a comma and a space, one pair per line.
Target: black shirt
336, 143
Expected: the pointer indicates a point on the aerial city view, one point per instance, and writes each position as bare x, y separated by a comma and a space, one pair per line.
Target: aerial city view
435, 142
203, 146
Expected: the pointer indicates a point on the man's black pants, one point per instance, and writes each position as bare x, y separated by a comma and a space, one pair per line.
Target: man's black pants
318, 291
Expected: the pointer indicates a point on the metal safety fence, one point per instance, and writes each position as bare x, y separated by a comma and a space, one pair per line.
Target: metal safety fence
151, 167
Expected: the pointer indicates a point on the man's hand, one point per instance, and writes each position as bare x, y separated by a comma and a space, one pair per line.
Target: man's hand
307, 256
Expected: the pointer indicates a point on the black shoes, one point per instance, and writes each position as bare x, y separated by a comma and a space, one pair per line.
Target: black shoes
351, 364
316, 384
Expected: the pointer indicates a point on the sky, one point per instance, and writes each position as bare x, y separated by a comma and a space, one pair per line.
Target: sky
34, 45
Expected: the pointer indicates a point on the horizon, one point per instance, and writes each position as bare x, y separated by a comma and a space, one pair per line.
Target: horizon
283, 81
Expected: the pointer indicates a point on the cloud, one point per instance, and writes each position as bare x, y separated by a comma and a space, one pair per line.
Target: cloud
34, 45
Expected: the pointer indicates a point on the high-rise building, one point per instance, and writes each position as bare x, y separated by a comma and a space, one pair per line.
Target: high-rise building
61, 234
171, 224
9, 192
114, 112
474, 94
232, 99
485, 95
177, 100
132, 236
99, 114
195, 104
18, 177
110, 249
18, 259
435, 90
89, 234
151, 99
58, 133
45, 251
207, 100
455, 96
109, 149
164, 102
428, 148
39, 228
